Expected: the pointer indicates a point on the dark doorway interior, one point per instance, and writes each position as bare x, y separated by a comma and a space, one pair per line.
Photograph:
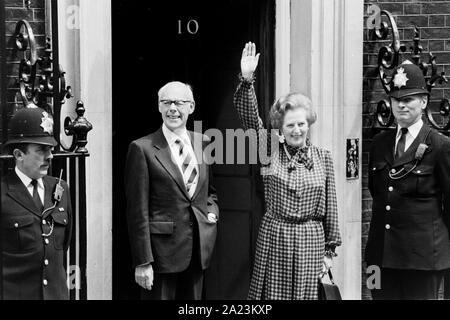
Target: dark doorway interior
148, 51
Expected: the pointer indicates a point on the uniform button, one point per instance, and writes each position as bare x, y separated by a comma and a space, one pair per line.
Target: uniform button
388, 227
44, 222
46, 262
418, 171
45, 282
16, 225
391, 189
65, 221
373, 169
388, 208
46, 241
393, 171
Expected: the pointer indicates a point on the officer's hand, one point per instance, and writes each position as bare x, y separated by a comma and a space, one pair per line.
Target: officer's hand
249, 60
144, 276
212, 217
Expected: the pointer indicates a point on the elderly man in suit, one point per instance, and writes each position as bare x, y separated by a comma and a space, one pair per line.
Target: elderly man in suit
172, 206
409, 179
35, 213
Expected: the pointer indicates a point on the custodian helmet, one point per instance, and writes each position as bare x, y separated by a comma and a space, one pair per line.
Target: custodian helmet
31, 125
407, 80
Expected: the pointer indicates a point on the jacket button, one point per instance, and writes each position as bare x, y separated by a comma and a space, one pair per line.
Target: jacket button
393, 171
46, 241
16, 225
374, 169
391, 189
388, 208
418, 171
191, 224
388, 227
46, 262
45, 282
44, 222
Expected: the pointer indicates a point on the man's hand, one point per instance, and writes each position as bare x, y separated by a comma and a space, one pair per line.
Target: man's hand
212, 217
249, 60
144, 276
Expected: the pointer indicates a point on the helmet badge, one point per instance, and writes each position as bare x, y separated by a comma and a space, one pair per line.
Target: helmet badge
47, 123
400, 78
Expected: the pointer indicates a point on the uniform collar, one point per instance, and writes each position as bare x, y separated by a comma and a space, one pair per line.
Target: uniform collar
413, 129
27, 180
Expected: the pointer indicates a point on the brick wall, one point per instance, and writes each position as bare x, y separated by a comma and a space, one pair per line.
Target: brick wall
433, 19
16, 10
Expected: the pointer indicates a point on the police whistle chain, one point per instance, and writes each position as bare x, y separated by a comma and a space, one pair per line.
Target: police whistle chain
57, 196
419, 155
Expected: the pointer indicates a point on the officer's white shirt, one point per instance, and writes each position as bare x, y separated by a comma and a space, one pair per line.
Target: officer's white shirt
175, 149
413, 132
27, 183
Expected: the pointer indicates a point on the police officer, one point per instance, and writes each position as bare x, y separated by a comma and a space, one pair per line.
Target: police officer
36, 213
409, 180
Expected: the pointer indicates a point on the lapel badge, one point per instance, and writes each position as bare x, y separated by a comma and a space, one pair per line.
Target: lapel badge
61, 209
400, 78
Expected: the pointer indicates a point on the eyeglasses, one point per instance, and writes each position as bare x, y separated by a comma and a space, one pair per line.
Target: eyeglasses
178, 103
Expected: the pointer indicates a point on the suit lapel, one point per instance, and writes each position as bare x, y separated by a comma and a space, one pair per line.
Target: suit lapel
390, 146
20, 194
164, 156
49, 186
410, 154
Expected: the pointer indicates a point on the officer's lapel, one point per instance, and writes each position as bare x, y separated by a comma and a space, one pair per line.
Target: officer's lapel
410, 154
164, 156
18, 192
201, 164
49, 186
390, 145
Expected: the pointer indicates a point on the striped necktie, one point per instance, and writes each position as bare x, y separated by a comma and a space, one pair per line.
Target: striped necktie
188, 168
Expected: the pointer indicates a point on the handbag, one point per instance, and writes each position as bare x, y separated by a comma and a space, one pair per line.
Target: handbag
328, 291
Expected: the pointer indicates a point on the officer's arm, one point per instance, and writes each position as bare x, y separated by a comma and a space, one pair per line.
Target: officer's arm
371, 153
443, 167
68, 235
137, 185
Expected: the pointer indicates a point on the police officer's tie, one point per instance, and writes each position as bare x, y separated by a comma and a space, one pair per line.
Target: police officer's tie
187, 167
36, 199
401, 143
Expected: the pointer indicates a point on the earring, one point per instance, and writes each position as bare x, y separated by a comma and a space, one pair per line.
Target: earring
281, 138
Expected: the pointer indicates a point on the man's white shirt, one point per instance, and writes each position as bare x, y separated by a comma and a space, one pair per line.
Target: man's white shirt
27, 183
413, 132
175, 150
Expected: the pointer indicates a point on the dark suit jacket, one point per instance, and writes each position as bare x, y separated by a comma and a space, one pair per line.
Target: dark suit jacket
160, 211
24, 248
410, 215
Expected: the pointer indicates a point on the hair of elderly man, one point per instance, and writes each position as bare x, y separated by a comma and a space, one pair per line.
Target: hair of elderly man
288, 102
178, 83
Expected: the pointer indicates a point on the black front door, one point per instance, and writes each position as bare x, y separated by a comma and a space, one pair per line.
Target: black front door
201, 44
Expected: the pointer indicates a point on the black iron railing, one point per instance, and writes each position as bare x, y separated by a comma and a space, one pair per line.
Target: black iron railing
389, 57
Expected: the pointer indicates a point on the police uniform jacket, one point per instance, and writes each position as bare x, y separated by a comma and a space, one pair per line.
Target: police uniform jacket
160, 212
33, 254
410, 211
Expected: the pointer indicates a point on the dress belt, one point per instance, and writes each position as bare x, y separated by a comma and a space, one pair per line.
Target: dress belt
293, 220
